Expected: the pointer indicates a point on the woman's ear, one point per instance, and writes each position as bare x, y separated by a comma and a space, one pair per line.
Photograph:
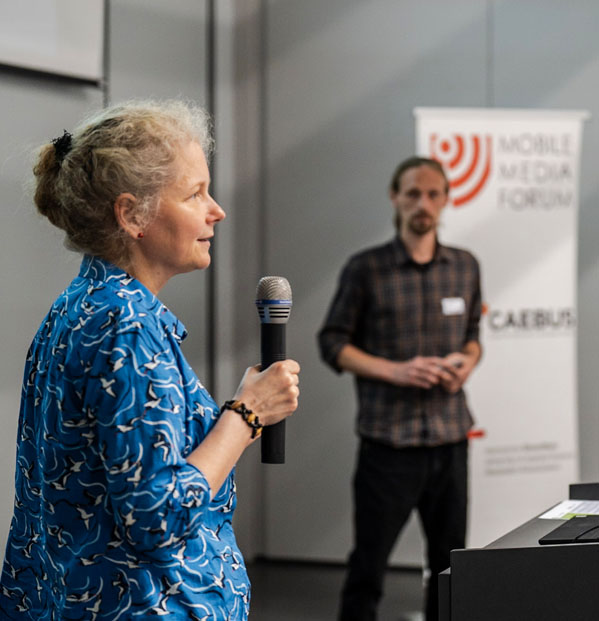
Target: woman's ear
127, 217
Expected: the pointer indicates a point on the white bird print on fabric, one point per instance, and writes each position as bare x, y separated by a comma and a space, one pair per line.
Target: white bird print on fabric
154, 400
102, 449
107, 385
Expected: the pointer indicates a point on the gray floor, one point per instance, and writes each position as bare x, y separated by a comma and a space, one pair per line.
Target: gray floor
309, 592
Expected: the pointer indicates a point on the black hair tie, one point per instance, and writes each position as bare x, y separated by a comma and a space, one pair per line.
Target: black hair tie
62, 146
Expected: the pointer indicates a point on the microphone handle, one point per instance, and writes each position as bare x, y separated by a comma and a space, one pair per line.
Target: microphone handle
272, 348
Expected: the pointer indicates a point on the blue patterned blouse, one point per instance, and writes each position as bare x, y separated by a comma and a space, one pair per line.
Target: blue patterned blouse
110, 521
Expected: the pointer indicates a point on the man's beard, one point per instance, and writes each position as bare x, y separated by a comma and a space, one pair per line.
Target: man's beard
421, 223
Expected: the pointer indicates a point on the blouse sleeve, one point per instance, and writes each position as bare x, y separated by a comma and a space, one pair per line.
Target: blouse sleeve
136, 393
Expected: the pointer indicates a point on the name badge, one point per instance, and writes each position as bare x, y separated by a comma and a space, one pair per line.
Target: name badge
453, 306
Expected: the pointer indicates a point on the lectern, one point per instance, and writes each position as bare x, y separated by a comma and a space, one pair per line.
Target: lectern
516, 579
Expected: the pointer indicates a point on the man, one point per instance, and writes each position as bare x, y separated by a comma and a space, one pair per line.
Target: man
405, 321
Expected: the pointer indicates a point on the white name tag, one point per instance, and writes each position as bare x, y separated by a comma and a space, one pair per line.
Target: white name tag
453, 306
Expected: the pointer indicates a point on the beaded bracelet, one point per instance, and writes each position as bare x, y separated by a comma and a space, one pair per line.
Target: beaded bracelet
248, 416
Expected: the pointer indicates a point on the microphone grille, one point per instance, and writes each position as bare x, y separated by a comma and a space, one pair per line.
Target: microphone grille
273, 288
273, 299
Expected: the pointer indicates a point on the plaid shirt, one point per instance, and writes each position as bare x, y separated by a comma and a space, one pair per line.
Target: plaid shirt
390, 306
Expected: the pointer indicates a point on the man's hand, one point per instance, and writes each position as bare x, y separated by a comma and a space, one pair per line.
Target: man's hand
458, 366
421, 372
449, 372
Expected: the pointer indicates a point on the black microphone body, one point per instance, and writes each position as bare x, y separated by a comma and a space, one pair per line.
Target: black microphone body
273, 300
272, 348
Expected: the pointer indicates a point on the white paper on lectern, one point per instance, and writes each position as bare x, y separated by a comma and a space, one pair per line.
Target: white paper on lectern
569, 508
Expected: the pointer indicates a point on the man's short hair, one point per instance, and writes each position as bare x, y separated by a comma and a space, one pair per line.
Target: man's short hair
415, 162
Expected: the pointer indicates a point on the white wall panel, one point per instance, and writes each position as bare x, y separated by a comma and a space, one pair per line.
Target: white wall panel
342, 82
546, 55
64, 37
159, 50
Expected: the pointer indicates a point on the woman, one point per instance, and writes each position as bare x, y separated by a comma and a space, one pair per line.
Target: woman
124, 482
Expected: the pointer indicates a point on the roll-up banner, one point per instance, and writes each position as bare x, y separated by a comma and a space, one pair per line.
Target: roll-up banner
514, 195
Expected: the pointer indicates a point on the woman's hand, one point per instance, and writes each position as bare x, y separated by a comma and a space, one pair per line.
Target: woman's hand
271, 394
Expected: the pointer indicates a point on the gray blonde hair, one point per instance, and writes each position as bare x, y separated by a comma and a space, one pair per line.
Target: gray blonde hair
128, 147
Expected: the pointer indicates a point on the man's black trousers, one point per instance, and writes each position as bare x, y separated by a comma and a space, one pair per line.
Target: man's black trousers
388, 484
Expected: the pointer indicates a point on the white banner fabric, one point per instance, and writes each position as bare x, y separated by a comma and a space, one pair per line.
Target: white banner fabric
514, 203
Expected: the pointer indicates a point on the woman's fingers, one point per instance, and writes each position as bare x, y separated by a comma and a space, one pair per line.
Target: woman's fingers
273, 393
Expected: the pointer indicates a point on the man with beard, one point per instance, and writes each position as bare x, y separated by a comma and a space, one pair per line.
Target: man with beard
404, 321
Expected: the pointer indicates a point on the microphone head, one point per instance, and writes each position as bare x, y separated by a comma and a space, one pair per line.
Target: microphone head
273, 299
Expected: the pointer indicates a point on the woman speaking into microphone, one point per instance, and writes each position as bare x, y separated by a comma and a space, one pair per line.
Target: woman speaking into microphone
124, 470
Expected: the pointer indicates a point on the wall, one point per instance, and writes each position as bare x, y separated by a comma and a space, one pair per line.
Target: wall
159, 50
342, 79
153, 50
314, 109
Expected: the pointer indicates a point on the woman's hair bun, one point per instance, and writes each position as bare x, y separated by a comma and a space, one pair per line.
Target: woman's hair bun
46, 171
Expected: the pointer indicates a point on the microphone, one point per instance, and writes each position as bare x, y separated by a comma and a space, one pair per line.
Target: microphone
273, 301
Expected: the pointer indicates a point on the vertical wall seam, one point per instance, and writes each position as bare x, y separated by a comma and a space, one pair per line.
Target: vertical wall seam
105, 84
262, 235
211, 273
490, 56
263, 136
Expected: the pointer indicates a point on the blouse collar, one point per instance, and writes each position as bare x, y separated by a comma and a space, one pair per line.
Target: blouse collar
127, 287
